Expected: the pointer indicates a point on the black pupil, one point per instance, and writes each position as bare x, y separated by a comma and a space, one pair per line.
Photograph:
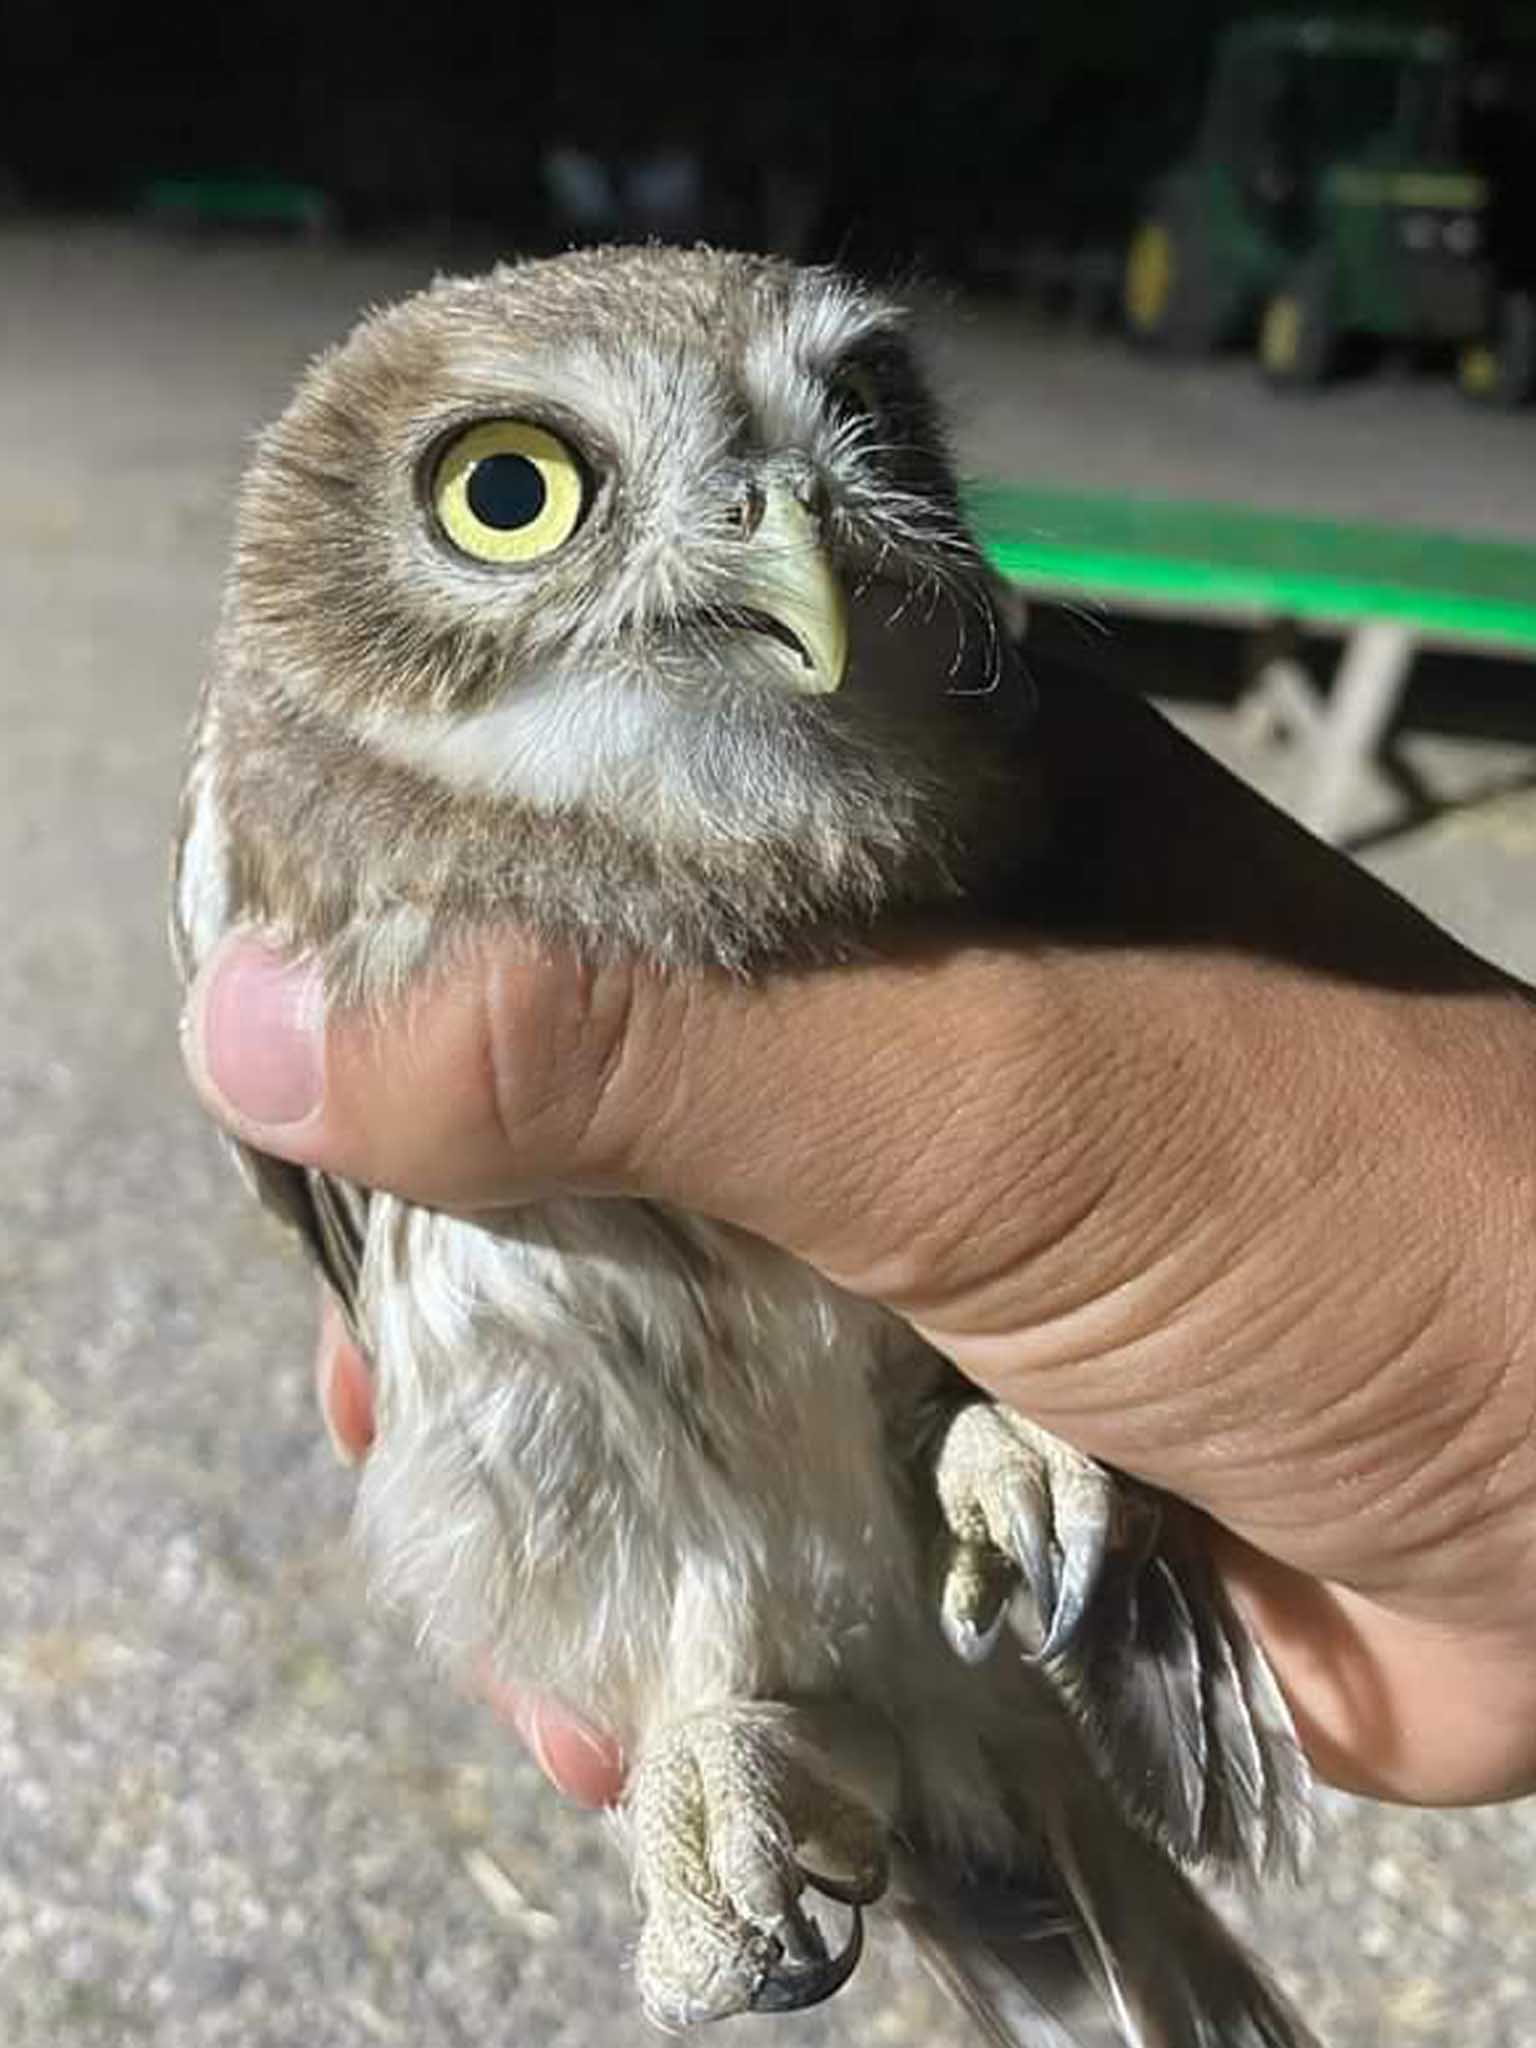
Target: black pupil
506, 491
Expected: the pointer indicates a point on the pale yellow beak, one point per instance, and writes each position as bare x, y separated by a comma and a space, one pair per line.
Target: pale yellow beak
790, 581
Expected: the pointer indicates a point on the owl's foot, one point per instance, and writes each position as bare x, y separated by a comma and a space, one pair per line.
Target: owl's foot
1021, 1506
735, 1813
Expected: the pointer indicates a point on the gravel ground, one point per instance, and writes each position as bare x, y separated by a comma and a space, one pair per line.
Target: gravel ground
232, 1807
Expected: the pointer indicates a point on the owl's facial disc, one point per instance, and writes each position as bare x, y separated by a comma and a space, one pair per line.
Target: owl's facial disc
789, 594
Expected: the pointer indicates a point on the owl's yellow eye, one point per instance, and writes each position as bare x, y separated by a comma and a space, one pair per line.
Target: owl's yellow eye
508, 491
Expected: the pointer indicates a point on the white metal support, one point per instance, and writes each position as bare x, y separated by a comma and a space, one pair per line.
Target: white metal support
1282, 702
1339, 730
1372, 675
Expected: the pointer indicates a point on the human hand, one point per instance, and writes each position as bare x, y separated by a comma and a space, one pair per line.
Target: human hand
585, 1765
1218, 1163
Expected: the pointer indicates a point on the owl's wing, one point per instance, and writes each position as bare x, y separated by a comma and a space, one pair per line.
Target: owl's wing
329, 1215
1179, 1702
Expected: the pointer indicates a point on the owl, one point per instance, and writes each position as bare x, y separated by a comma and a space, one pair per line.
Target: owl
626, 596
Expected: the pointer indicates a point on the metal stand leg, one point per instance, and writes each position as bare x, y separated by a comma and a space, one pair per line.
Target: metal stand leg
1366, 693
1278, 698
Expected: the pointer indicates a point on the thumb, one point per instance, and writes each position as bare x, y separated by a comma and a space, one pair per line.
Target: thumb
513, 1073
493, 1081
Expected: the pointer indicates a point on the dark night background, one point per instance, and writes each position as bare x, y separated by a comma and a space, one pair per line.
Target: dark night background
893, 132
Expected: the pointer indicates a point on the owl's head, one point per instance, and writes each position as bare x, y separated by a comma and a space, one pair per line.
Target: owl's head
664, 538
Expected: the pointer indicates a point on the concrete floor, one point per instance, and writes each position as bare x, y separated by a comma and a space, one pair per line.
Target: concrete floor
233, 1809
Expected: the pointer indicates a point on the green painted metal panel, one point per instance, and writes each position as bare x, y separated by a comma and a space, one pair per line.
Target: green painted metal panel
1187, 556
215, 199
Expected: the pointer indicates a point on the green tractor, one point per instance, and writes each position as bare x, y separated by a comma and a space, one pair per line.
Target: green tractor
1348, 184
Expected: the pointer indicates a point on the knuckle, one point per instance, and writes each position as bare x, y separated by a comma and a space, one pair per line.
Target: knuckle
566, 1061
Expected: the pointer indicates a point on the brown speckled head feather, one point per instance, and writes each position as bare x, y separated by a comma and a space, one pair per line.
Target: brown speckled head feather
642, 781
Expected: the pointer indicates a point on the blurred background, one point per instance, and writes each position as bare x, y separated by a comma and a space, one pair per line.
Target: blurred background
1217, 296
966, 140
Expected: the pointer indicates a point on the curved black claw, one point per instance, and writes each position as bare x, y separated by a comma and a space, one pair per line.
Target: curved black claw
851, 1891
973, 1645
793, 1985
1129, 1527
975, 1592
1082, 1564
1063, 1573
1033, 1551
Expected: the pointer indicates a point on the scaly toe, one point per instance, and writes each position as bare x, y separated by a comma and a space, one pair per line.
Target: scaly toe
973, 1605
1013, 1495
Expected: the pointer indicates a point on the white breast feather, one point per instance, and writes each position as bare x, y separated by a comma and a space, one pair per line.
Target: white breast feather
646, 1461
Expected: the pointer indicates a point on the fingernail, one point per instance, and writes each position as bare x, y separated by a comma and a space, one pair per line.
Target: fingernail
257, 1027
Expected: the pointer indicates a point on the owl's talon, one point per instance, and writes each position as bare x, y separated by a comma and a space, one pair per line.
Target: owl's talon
719, 1806
858, 1889
1021, 1507
1029, 1545
1084, 1547
794, 1986
973, 1645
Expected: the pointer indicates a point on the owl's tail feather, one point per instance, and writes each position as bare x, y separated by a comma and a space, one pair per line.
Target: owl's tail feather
1136, 1960
1022, 1989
